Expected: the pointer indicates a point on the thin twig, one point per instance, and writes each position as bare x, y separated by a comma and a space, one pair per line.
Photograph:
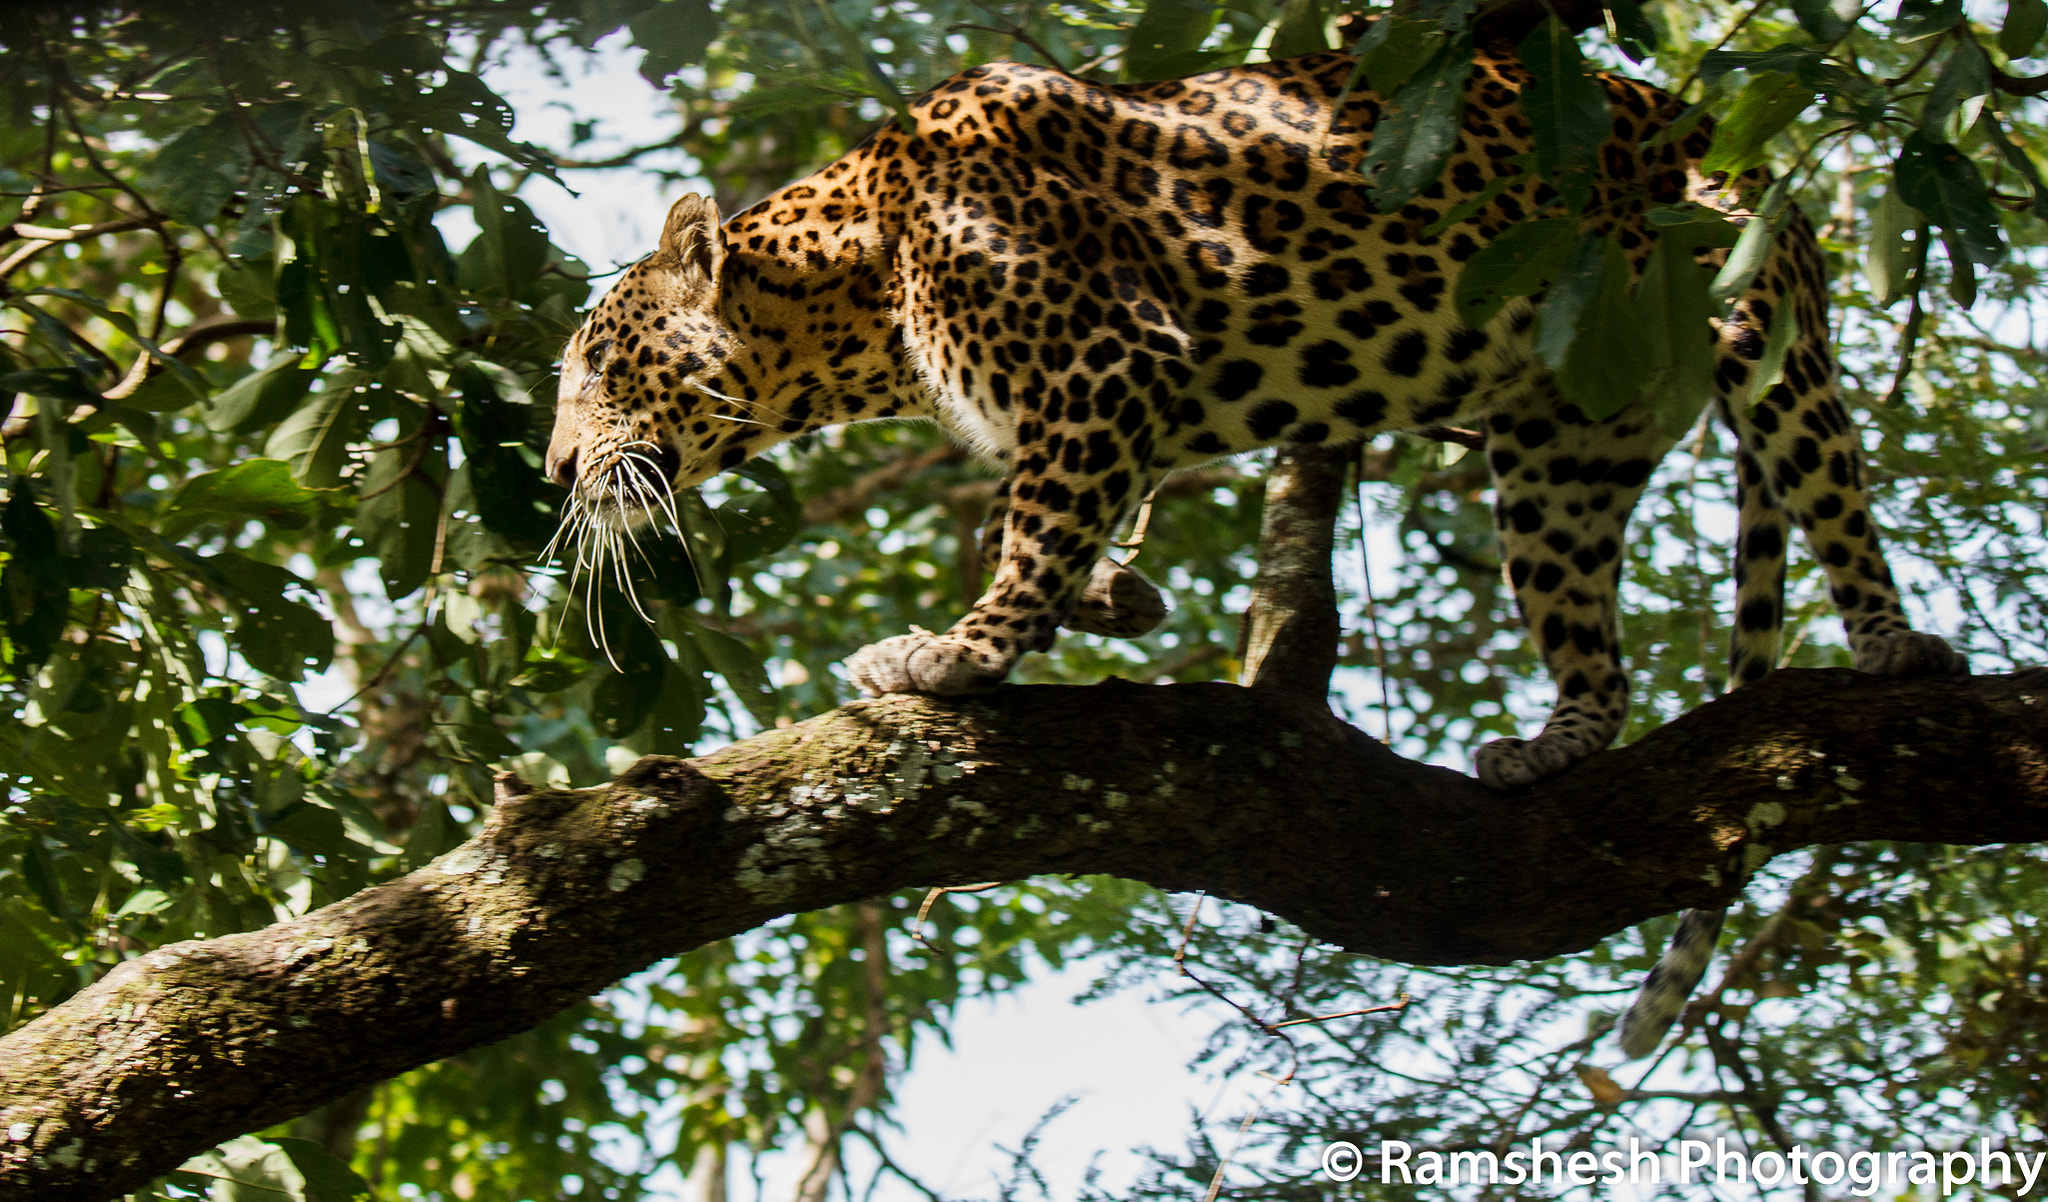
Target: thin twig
917, 930
1323, 1018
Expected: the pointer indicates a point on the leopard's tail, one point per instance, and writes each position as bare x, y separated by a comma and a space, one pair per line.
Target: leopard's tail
1663, 995
1760, 529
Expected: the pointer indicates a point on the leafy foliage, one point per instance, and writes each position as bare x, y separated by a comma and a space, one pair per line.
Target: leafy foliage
280, 318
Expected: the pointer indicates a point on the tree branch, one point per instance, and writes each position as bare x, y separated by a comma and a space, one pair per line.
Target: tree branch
1291, 627
1256, 795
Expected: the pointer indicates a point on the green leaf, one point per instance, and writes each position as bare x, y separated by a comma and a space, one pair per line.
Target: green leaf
1577, 286
1565, 105
400, 525
248, 1169
674, 34
195, 173
261, 397
144, 901
1418, 129
739, 663
1753, 247
314, 829
1819, 19
1609, 356
1786, 58
1769, 103
328, 1178
1769, 369
1966, 75
34, 586
1675, 316
550, 673
1941, 181
259, 488
1167, 32
315, 438
1522, 260
1962, 274
1888, 255
1917, 19
511, 247
2025, 21
57, 383
2022, 162
125, 323
1637, 38
492, 422
1299, 29
249, 291
278, 636
673, 723
758, 524
1393, 48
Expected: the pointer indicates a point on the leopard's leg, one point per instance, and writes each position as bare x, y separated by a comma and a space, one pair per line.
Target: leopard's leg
1800, 434
1796, 453
1118, 601
1084, 457
1564, 488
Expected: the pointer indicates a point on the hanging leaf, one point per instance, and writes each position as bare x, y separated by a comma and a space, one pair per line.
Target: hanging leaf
1769, 369
263, 489
277, 635
2022, 162
1966, 74
1578, 285
1608, 359
1565, 105
1299, 29
1888, 254
1917, 19
674, 34
1393, 48
195, 173
1166, 37
1522, 260
315, 438
1418, 128
1819, 19
400, 524
1675, 315
1753, 248
1634, 33
1768, 103
1947, 188
2025, 21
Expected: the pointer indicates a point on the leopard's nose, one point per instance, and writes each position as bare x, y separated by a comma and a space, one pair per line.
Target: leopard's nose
562, 468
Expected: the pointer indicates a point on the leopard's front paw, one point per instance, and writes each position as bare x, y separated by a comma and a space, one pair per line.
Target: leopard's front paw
1910, 653
1118, 602
1513, 763
923, 662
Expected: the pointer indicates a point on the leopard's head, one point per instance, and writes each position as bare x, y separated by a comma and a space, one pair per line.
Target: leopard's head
648, 403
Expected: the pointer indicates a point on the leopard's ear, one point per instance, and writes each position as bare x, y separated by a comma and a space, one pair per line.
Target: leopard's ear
693, 247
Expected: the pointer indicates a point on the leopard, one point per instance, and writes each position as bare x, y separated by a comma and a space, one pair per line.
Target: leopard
1095, 285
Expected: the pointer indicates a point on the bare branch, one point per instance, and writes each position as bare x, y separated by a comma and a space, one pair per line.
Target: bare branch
1291, 628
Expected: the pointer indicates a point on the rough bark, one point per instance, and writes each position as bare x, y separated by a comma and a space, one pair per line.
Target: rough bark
1291, 626
1248, 793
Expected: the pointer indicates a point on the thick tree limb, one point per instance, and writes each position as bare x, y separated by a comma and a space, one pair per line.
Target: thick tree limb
1251, 794
1291, 627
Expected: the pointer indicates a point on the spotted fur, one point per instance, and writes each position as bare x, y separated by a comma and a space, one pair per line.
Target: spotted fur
1098, 285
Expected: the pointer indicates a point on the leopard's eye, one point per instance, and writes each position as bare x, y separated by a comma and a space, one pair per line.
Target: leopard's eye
593, 358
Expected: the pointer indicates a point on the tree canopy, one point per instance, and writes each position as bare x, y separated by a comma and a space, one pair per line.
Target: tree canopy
290, 664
